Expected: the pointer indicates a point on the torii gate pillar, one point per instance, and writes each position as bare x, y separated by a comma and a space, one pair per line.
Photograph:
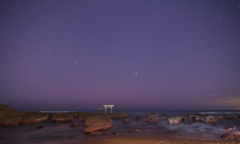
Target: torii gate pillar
108, 106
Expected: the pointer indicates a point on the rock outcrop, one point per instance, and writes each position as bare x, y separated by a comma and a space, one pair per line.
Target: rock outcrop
97, 123
153, 118
210, 119
174, 120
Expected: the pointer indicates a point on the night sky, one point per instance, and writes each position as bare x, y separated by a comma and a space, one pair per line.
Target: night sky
134, 54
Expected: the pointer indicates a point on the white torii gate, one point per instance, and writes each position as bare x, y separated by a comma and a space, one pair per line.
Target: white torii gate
108, 106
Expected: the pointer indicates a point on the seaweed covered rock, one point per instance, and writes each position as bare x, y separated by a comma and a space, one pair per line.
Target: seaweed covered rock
174, 120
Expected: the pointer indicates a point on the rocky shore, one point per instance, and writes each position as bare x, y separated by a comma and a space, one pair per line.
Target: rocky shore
95, 123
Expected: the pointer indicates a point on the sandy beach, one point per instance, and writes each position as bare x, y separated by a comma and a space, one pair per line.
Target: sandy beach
146, 140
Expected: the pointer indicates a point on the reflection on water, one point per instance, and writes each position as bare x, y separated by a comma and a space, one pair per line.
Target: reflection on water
63, 133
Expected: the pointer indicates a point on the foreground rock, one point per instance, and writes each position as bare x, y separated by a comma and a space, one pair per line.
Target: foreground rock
174, 120
97, 123
232, 136
210, 119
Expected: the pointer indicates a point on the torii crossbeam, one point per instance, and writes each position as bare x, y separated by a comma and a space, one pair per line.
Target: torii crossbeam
108, 106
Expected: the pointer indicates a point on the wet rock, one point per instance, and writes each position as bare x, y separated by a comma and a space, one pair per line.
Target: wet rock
39, 127
230, 117
153, 118
210, 119
75, 125
174, 120
133, 131
138, 118
97, 123
232, 136
126, 121
229, 128
115, 133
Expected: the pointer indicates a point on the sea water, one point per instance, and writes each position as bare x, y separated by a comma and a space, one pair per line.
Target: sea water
61, 133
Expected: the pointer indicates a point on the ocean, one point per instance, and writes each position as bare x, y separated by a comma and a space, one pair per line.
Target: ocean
62, 133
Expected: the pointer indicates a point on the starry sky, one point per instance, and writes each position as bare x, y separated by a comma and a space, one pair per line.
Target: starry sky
134, 54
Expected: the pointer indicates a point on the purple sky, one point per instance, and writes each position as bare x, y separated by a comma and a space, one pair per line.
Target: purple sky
137, 55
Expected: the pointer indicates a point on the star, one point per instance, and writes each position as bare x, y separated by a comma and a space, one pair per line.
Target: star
136, 73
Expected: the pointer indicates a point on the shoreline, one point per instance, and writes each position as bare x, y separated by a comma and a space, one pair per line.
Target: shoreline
148, 140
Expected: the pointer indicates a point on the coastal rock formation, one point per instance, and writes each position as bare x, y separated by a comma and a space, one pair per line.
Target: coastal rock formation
97, 123
210, 119
34, 117
232, 136
174, 120
229, 128
154, 117
126, 121
230, 117
62, 117
191, 117
10, 116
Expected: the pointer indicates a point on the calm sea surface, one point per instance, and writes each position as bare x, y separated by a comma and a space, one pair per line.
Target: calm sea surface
62, 133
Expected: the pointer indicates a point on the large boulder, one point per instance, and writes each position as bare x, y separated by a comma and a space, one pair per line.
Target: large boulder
174, 120
97, 123
9, 116
210, 119
232, 136
153, 118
